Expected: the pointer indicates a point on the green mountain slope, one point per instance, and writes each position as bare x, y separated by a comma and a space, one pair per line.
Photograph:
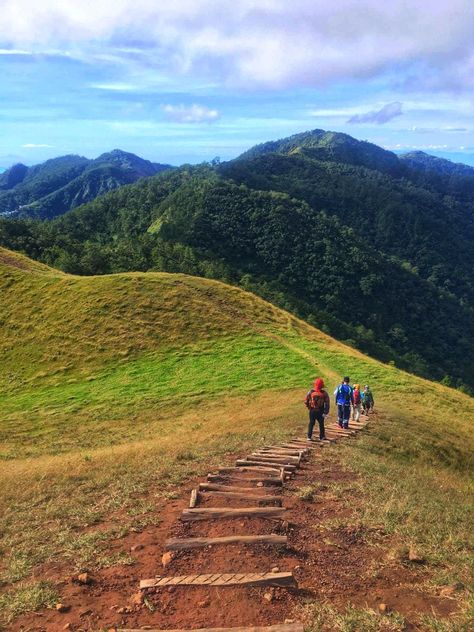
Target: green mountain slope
115, 388
403, 217
60, 184
365, 253
329, 146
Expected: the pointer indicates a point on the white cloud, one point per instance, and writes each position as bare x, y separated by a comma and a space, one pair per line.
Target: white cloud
114, 86
272, 43
381, 116
14, 51
190, 113
36, 146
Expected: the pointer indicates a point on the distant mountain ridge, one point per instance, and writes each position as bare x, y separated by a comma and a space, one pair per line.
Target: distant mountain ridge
58, 185
329, 146
374, 248
427, 162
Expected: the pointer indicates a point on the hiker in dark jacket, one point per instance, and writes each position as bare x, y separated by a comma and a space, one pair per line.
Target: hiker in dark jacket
367, 399
344, 399
317, 402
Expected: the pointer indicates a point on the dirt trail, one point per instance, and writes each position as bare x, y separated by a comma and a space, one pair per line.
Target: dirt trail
329, 563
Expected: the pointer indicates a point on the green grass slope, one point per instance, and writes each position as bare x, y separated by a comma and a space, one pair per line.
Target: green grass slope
115, 388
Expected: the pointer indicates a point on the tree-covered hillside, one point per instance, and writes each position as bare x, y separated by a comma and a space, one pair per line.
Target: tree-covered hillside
394, 215
378, 257
61, 184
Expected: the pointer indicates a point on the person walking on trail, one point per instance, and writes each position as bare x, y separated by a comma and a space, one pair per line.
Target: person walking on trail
367, 399
357, 405
317, 402
344, 399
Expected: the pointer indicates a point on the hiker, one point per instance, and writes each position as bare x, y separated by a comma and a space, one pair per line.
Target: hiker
317, 402
357, 405
344, 399
367, 399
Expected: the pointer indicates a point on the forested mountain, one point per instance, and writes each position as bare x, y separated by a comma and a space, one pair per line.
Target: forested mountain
61, 184
332, 147
346, 235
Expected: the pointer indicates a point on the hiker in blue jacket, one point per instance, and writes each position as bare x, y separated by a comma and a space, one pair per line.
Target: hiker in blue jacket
344, 398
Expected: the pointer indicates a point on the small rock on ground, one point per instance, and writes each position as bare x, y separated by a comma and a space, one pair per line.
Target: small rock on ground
84, 578
166, 558
413, 556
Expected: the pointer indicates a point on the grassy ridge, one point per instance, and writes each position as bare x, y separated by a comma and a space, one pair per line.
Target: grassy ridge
115, 389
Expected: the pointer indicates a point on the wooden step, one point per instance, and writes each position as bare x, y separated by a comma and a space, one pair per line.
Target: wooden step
272, 460
213, 487
183, 544
262, 464
282, 627
341, 431
277, 456
284, 451
216, 513
306, 448
222, 478
193, 500
260, 499
265, 470
221, 579
309, 445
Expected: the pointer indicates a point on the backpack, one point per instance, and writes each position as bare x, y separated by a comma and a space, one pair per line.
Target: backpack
317, 401
345, 390
356, 394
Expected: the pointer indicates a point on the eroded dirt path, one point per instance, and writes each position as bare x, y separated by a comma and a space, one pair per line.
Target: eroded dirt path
332, 557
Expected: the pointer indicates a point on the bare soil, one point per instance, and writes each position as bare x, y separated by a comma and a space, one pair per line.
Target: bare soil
341, 564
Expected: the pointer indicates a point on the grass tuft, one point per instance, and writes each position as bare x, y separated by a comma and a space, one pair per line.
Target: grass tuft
323, 617
27, 598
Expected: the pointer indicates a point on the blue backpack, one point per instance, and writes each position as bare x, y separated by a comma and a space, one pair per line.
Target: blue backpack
343, 394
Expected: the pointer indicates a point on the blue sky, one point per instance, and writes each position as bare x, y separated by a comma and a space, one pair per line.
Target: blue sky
206, 78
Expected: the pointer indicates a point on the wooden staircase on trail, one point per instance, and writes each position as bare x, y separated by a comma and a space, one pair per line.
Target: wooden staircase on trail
258, 480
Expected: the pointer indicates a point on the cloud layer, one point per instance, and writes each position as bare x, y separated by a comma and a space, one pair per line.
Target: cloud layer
36, 146
384, 115
190, 113
272, 43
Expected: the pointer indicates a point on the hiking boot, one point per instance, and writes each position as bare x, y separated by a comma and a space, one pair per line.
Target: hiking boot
346, 426
339, 424
309, 439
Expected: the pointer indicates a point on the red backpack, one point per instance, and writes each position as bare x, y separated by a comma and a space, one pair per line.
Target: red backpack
317, 400
356, 394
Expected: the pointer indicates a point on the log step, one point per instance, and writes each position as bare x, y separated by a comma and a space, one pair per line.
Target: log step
300, 444
281, 447
183, 544
193, 501
216, 513
260, 499
260, 463
265, 470
222, 579
306, 448
276, 456
212, 487
223, 478
283, 627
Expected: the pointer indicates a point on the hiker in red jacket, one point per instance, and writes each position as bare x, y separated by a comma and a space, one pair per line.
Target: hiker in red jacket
317, 402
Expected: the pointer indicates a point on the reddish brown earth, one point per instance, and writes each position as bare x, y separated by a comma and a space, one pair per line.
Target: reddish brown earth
330, 565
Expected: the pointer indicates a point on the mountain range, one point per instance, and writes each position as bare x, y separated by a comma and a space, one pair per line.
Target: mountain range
373, 248
61, 184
